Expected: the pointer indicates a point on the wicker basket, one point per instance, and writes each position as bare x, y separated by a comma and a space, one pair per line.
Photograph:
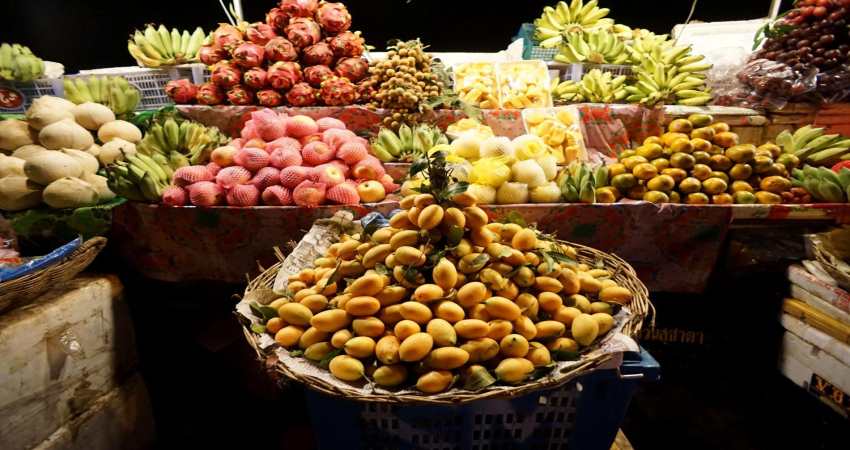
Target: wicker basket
623, 273
14, 293
841, 277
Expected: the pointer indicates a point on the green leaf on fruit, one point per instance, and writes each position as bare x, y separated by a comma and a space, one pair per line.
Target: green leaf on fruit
516, 271
480, 379
257, 328
550, 262
326, 361
562, 258
479, 260
516, 218
418, 165
268, 312
409, 274
472, 110
502, 221
564, 355
381, 269
543, 315
455, 189
454, 381
552, 336
255, 310
369, 231
296, 353
540, 371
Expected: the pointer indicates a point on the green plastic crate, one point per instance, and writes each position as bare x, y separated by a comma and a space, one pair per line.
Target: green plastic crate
531, 47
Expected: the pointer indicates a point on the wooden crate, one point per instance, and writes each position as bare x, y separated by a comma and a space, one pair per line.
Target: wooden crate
60, 355
747, 123
835, 117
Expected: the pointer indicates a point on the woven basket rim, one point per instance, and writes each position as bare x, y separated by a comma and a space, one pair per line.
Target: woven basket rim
19, 290
640, 306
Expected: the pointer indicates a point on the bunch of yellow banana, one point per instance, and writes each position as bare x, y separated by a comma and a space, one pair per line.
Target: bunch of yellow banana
113, 92
658, 83
140, 177
598, 47
189, 141
566, 91
17, 63
563, 19
601, 87
646, 43
158, 47
476, 83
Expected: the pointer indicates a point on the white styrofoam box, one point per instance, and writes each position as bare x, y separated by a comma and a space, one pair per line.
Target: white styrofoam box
818, 338
816, 359
708, 36
833, 295
819, 304
120, 419
60, 355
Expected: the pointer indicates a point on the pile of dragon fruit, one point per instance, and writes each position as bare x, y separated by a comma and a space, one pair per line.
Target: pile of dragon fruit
281, 160
303, 55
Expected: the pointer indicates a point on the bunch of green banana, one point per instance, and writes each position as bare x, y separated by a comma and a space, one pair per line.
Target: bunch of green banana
566, 91
658, 83
114, 92
17, 63
823, 184
575, 17
597, 47
158, 47
189, 141
813, 147
140, 177
579, 182
601, 87
409, 144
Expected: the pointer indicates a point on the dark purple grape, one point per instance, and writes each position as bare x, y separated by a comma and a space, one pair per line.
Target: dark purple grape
798, 67
830, 63
804, 43
818, 61
818, 51
832, 54
782, 57
795, 32
804, 50
770, 55
844, 48
792, 61
784, 38
792, 42
825, 23
817, 44
827, 38
839, 24
807, 58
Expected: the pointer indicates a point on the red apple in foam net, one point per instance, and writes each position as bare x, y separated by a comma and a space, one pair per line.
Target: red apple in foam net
223, 156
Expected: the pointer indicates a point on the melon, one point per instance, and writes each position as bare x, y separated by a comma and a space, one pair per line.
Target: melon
119, 129
19, 193
70, 192
46, 167
92, 116
24, 152
48, 110
65, 134
16, 133
11, 166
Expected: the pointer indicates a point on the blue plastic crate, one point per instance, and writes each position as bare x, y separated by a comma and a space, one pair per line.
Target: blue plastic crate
584, 414
531, 47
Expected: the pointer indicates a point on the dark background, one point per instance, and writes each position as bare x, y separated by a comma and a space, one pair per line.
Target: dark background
93, 34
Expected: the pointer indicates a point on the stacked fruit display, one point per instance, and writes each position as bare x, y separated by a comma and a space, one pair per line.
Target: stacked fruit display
113, 92
183, 142
813, 42
17, 63
54, 159
401, 81
443, 293
280, 161
501, 171
303, 55
157, 47
408, 144
700, 162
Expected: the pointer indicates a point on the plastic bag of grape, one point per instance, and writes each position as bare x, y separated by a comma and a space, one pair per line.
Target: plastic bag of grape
769, 83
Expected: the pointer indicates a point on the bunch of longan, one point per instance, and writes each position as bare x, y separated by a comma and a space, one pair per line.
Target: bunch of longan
402, 80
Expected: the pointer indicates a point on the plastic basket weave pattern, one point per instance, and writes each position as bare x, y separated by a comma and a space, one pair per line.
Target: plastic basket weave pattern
577, 71
531, 47
582, 414
29, 91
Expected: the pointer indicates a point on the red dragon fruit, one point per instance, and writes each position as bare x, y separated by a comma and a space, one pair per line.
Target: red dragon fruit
280, 49
226, 74
260, 33
338, 92
355, 69
256, 78
269, 98
299, 8
248, 55
210, 94
315, 75
227, 34
333, 17
284, 74
301, 94
211, 54
181, 91
277, 19
240, 95
318, 54
365, 90
347, 44
303, 32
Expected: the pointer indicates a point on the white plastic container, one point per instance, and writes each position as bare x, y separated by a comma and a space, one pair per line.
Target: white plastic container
541, 78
